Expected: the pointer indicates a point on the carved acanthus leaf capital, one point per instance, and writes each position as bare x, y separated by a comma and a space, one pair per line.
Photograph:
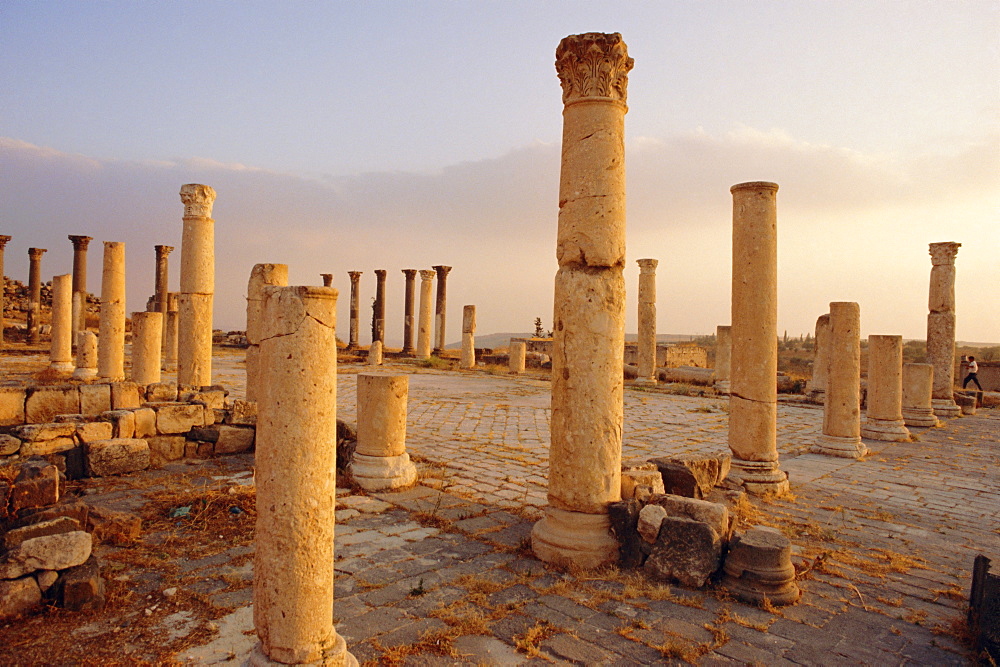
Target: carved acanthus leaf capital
3, 241
427, 275
197, 200
36, 253
442, 271
943, 254
647, 265
163, 250
380, 274
593, 65
355, 276
80, 242
410, 273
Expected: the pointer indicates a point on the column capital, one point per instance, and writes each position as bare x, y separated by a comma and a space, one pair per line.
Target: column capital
327, 279
3, 240
410, 273
593, 66
442, 271
380, 274
36, 253
944, 253
755, 185
163, 250
197, 200
426, 274
80, 242
647, 265
355, 276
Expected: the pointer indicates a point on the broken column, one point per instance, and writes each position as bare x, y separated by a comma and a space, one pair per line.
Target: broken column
841, 434
261, 276
380, 460
378, 308
440, 308
4, 239
327, 279
759, 567
147, 340
375, 353
194, 349
646, 347
34, 292
589, 314
424, 325
355, 308
918, 386
468, 359
161, 291
941, 327
79, 295
408, 311
61, 351
753, 399
170, 334
111, 341
516, 358
723, 353
821, 359
296, 480
884, 418
86, 355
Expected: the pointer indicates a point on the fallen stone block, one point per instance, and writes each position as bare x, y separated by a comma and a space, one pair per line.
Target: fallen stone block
966, 403
624, 517
46, 447
57, 526
198, 450
94, 431
165, 448
122, 421
37, 484
18, 596
174, 418
234, 439
95, 398
213, 397
759, 566
204, 433
161, 392
44, 403
704, 377
81, 588
242, 413
113, 526
9, 444
74, 509
46, 579
714, 515
650, 519
118, 456
145, 422
12, 405
70, 462
686, 551
48, 552
127, 395
647, 475
692, 476
41, 432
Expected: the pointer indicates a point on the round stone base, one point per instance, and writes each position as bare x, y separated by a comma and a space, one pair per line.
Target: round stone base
946, 407
338, 656
890, 430
759, 567
62, 366
835, 445
380, 473
920, 417
574, 539
759, 477
722, 386
84, 373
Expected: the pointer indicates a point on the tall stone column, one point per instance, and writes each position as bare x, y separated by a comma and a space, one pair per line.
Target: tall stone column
296, 480
327, 279
261, 277
821, 359
468, 359
589, 315
380, 460
147, 340
841, 434
378, 308
440, 308
194, 349
61, 351
424, 326
79, 295
753, 398
111, 341
884, 418
647, 321
161, 292
34, 292
941, 327
170, 335
918, 384
723, 357
4, 239
355, 308
410, 274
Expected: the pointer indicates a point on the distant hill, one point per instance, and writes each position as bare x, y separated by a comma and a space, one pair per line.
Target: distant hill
497, 340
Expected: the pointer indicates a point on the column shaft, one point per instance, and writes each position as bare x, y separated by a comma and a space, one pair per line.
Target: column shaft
424, 326
841, 434
821, 358
440, 308
408, 311
4, 239
723, 357
884, 418
941, 327
261, 276
147, 341
80, 245
468, 359
380, 461
34, 292
918, 387
61, 352
646, 346
355, 308
378, 308
194, 352
111, 341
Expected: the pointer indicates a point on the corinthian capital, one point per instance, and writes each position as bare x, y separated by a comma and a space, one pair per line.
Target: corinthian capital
427, 275
647, 265
944, 253
3, 241
593, 65
197, 200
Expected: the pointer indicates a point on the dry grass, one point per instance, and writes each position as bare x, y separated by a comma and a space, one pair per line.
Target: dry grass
528, 642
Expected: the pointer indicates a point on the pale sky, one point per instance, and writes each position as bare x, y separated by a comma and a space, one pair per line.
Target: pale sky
388, 135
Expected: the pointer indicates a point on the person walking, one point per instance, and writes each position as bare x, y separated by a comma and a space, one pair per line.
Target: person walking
972, 375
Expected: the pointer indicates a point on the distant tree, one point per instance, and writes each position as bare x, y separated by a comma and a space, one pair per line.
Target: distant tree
538, 328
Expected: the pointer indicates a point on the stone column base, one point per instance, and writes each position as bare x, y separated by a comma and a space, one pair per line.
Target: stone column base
835, 445
946, 407
84, 373
920, 417
891, 430
759, 477
338, 656
574, 539
645, 382
379, 473
817, 396
62, 366
722, 386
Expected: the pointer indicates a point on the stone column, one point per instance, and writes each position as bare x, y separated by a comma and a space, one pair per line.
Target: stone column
468, 359
147, 340
821, 359
194, 349
841, 434
884, 418
753, 400
440, 308
261, 276
375, 353
86, 355
111, 341
355, 308
171, 334
515, 358
723, 356
80, 245
589, 314
61, 351
941, 327
296, 480
4, 239
410, 274
378, 308
646, 347
161, 291
380, 461
918, 383
327, 279
34, 292
424, 324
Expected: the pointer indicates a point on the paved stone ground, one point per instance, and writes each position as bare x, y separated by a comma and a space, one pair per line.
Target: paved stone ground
887, 542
